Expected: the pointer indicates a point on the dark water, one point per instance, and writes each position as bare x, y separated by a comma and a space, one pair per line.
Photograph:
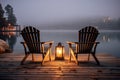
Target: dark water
109, 40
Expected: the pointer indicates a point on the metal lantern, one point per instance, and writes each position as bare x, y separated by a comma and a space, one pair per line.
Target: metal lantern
59, 52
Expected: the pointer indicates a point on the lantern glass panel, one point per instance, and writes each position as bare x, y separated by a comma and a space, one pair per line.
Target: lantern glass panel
59, 52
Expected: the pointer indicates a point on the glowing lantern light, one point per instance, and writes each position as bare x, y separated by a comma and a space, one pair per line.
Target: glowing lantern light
59, 52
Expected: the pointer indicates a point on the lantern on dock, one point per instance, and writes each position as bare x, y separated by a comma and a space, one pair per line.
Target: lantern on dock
59, 52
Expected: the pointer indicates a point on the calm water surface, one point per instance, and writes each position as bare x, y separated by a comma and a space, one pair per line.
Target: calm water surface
109, 41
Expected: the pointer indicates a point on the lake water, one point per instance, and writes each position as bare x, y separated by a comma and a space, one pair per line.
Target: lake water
109, 40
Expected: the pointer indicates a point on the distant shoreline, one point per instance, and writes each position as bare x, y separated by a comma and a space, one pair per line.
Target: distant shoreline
77, 30
60, 30
109, 30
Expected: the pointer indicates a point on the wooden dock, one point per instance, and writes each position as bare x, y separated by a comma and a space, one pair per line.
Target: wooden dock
10, 68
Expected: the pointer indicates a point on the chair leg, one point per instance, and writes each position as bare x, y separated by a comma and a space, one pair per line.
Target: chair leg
88, 56
45, 56
77, 58
33, 57
70, 57
96, 59
49, 55
73, 55
23, 60
42, 57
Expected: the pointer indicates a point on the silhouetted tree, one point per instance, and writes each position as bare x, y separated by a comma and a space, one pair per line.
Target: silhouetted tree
1, 11
11, 17
2, 19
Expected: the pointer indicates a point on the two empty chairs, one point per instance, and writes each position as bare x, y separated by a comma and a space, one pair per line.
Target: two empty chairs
86, 44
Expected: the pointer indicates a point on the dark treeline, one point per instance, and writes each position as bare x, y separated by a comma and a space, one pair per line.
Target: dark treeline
10, 19
10, 16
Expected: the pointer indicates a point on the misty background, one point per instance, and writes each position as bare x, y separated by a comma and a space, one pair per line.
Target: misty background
66, 14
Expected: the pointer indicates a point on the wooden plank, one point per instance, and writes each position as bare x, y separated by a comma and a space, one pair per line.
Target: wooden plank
10, 69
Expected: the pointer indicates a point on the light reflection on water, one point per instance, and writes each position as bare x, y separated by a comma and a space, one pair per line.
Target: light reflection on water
109, 41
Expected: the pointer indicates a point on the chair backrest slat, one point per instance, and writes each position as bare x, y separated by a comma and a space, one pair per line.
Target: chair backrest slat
87, 37
32, 38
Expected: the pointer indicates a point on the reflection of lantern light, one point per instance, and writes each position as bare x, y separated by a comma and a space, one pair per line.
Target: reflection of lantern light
59, 52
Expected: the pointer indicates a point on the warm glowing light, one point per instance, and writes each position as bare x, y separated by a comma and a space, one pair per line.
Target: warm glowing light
59, 52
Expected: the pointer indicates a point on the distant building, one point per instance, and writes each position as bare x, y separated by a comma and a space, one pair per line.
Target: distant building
106, 19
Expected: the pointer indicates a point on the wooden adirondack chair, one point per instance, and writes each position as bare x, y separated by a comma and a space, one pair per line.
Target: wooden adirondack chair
33, 45
86, 44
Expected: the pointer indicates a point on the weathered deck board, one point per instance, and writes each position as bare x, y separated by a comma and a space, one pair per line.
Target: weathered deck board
10, 68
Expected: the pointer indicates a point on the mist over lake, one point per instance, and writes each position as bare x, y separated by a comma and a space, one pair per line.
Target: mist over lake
66, 14
60, 20
109, 41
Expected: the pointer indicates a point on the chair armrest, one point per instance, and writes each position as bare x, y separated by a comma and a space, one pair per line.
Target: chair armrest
23, 42
77, 43
70, 42
96, 42
45, 46
48, 42
95, 45
73, 45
